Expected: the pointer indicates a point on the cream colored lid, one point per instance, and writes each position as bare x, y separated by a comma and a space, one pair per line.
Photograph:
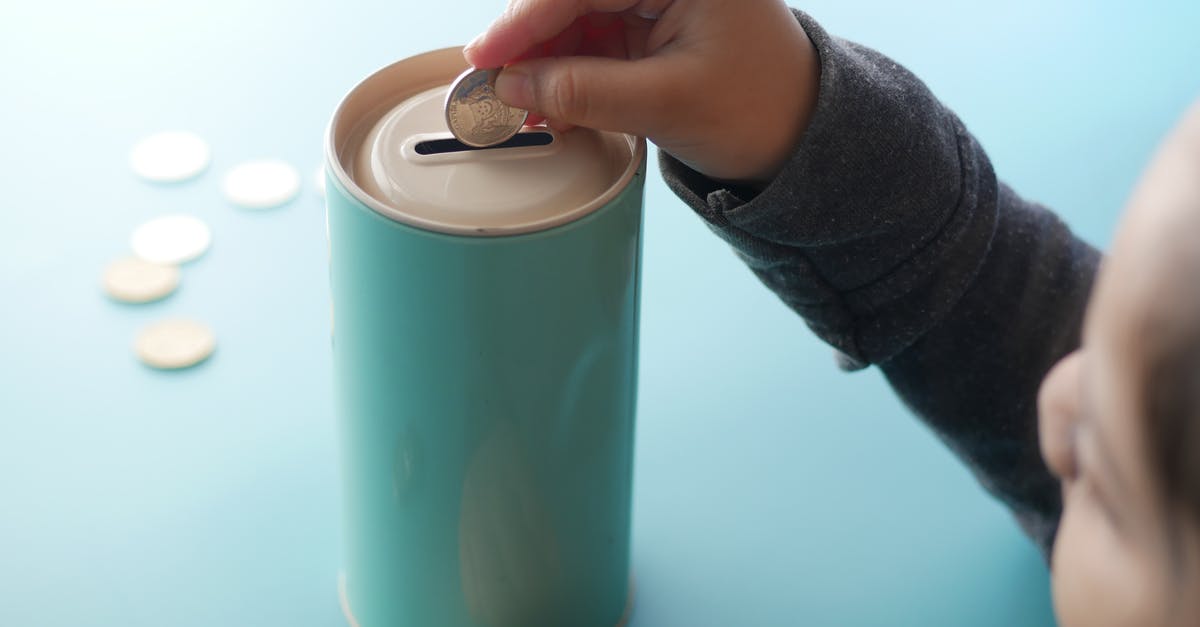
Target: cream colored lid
402, 169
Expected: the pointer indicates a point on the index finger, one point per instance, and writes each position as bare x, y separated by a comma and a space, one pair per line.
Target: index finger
526, 23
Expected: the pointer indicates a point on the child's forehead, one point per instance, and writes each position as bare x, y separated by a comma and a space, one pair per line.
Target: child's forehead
1155, 261
1159, 249
1149, 286
1145, 310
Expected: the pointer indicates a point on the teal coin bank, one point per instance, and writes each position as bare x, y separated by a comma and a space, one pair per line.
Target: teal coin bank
485, 323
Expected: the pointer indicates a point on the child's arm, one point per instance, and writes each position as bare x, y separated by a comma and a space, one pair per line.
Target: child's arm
883, 224
890, 234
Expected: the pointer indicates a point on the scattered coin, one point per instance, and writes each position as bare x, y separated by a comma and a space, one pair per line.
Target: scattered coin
171, 239
133, 280
174, 344
261, 184
475, 115
169, 156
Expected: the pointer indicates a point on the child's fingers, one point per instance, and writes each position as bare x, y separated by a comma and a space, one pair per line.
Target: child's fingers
567, 42
561, 127
651, 9
596, 92
528, 22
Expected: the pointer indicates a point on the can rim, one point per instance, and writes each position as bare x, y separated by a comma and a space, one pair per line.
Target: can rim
335, 167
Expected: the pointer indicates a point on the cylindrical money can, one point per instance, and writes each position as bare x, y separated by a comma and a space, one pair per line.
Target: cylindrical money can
485, 334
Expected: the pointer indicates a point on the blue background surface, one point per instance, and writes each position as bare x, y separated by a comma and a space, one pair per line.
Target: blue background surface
770, 488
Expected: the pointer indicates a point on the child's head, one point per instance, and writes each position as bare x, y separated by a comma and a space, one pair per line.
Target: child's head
1120, 418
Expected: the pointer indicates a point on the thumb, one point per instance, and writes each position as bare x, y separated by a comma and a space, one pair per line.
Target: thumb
596, 92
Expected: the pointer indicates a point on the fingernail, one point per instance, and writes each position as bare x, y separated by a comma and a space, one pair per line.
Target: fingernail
474, 42
512, 86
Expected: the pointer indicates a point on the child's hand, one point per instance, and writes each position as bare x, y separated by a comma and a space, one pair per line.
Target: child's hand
726, 86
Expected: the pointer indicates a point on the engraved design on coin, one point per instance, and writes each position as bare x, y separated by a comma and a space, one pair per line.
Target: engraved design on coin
475, 115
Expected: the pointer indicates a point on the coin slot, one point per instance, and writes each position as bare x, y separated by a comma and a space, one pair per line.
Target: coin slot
451, 145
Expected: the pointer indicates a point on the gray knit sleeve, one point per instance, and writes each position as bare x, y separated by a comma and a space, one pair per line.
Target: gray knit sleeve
888, 232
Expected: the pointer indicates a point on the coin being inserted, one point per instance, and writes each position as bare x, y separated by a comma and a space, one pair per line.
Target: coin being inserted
475, 115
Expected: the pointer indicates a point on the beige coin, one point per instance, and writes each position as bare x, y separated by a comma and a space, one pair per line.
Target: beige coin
132, 280
174, 344
475, 115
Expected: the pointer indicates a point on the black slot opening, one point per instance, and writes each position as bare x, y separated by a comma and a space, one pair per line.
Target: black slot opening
520, 140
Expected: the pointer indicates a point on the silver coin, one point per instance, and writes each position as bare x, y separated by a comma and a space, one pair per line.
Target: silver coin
475, 115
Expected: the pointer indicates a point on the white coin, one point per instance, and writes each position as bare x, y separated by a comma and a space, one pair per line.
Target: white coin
261, 184
171, 239
319, 179
133, 280
169, 156
173, 344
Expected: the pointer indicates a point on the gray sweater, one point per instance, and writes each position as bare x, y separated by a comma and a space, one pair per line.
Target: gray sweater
888, 232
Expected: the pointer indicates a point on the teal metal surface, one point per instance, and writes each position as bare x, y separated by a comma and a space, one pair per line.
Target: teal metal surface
485, 394
770, 489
